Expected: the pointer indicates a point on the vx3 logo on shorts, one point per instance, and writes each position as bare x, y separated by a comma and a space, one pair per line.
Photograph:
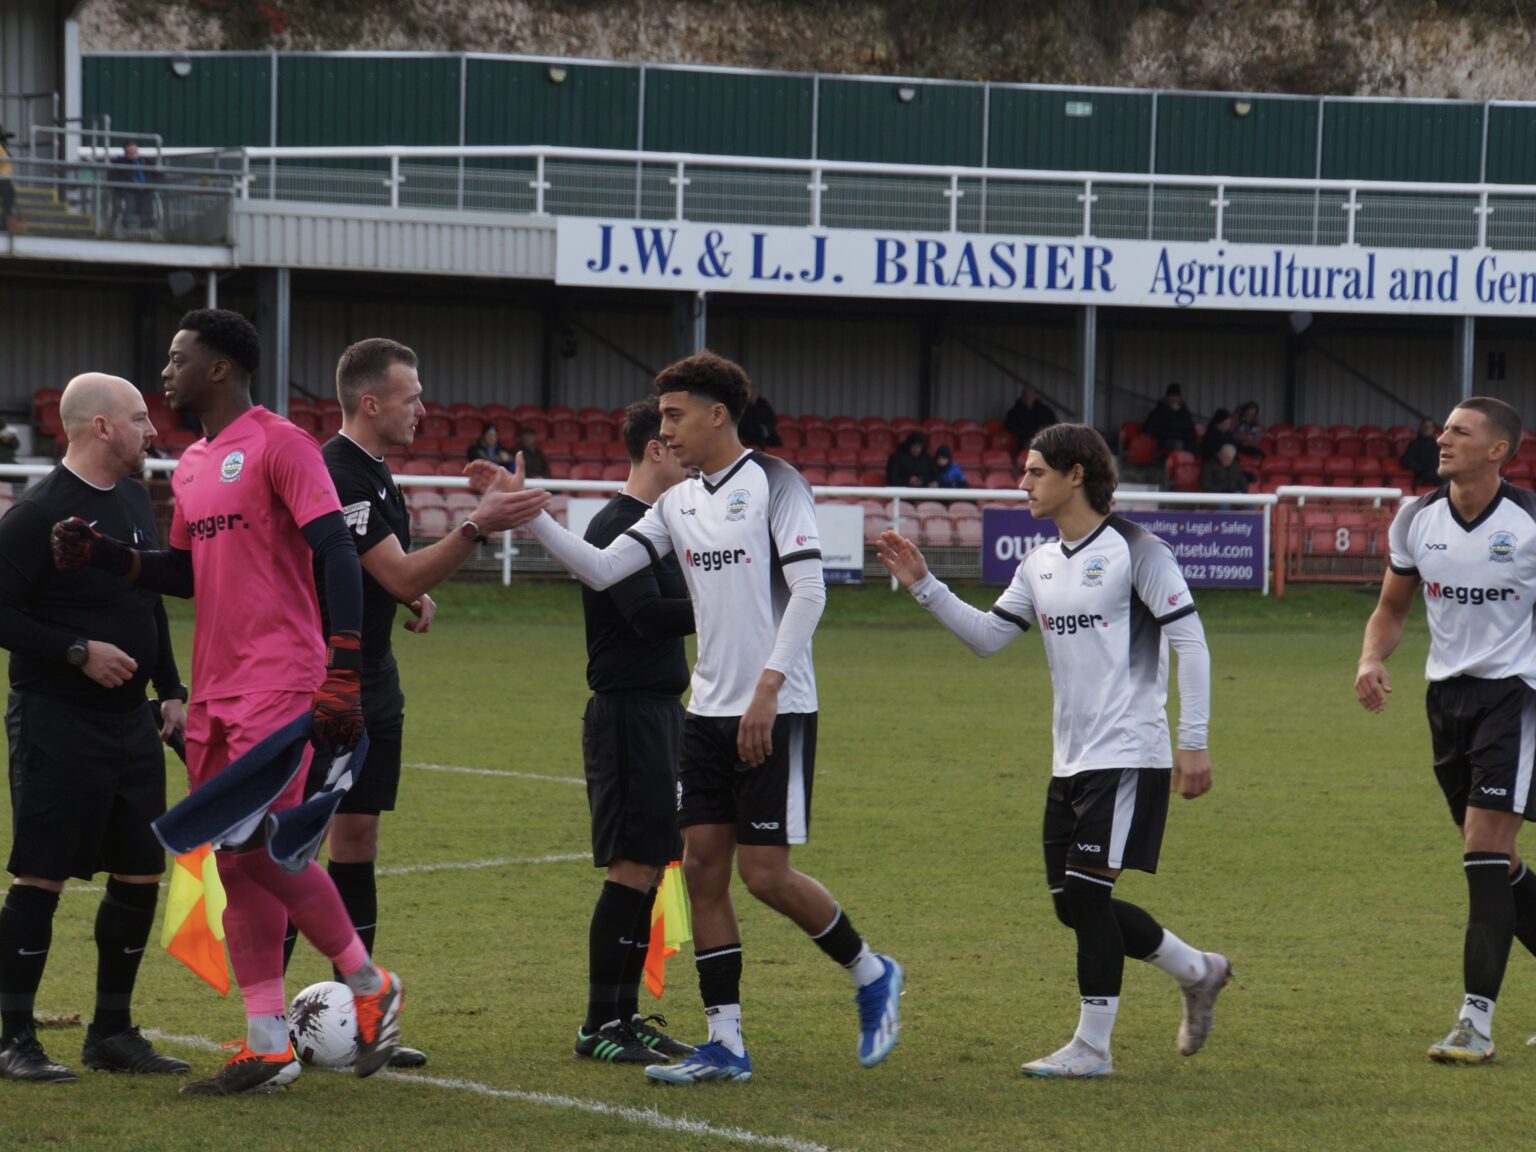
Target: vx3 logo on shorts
766, 826
1081, 847
1487, 791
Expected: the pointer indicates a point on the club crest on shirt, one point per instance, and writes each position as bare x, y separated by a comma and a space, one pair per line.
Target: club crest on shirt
736, 504
1501, 547
233, 465
1093, 571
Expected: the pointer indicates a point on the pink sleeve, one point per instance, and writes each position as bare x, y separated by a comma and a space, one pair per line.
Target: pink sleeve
180, 537
298, 474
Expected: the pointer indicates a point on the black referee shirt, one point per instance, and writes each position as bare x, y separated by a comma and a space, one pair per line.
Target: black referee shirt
635, 629
374, 509
43, 611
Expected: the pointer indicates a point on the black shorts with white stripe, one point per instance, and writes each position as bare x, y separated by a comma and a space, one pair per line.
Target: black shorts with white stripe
1483, 733
768, 804
1105, 818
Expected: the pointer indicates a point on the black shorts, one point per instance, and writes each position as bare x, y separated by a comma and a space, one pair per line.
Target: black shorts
1106, 818
629, 746
1483, 733
384, 717
85, 785
769, 804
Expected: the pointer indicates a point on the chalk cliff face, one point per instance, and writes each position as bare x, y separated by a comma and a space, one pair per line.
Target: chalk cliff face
1469, 49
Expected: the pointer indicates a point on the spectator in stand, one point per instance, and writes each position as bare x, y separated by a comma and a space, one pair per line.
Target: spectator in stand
1422, 456
1218, 434
946, 471
1247, 430
132, 177
759, 426
910, 466
10, 443
535, 463
489, 447
9, 221
1028, 415
1222, 472
1170, 423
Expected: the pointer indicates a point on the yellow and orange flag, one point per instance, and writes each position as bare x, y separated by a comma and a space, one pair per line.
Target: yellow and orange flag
194, 918
671, 927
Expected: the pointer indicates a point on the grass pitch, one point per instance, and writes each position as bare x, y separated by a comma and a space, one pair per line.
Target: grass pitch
1323, 863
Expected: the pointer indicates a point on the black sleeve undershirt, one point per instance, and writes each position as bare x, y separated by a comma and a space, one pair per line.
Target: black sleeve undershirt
332, 545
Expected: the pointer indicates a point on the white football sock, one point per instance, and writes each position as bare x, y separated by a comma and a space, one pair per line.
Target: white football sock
1185, 964
1479, 1010
866, 968
725, 1027
1096, 1020
266, 1034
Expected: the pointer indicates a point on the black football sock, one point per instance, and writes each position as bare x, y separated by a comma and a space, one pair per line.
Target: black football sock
26, 933
359, 892
1522, 885
1100, 947
634, 959
840, 940
1140, 932
123, 922
610, 945
1490, 931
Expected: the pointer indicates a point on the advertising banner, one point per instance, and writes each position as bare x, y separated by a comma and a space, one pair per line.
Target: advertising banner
686, 256
1214, 549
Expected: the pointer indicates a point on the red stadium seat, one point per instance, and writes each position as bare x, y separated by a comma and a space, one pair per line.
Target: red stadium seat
560, 412
818, 436
587, 470
1143, 449
452, 465
849, 437
1376, 445
470, 425
1348, 445
1337, 430
1369, 471
1288, 444
616, 472
968, 532
527, 411
999, 480
938, 431
869, 422
1178, 460
971, 440
561, 450
1368, 430
872, 478
780, 452
814, 474
564, 428
968, 459
414, 468
840, 457
843, 478
1319, 444
456, 410
936, 531
1185, 476
843, 423
966, 424
438, 426
809, 420
880, 440
598, 428
590, 451
904, 424
996, 462
1340, 471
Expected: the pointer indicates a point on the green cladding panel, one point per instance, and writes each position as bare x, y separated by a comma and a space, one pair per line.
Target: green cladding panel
1070, 131
1382, 140
1223, 135
516, 102
727, 113
867, 120
1512, 144
225, 101
360, 100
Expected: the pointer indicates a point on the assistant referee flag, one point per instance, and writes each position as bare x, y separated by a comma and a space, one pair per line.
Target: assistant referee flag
194, 917
671, 927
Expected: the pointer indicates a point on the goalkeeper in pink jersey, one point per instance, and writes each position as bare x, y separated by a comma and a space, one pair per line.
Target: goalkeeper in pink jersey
255, 507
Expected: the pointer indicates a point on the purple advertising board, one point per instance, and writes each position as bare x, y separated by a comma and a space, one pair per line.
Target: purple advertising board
1214, 549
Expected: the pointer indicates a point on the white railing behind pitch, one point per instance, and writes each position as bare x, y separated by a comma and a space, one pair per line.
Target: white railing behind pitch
1263, 501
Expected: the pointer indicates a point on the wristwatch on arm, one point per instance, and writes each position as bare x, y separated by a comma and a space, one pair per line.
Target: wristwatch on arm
78, 653
471, 531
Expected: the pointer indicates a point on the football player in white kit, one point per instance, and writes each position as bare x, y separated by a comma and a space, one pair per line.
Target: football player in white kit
1108, 597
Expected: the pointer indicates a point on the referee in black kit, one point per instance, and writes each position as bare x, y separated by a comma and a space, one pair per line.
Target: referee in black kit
87, 772
378, 384
630, 738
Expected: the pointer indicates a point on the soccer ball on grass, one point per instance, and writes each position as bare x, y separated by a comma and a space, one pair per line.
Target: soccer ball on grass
323, 1025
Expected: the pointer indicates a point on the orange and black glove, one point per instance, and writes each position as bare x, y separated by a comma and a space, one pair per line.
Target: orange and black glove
78, 545
338, 702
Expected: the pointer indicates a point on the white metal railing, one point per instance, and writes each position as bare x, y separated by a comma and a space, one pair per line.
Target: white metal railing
543, 180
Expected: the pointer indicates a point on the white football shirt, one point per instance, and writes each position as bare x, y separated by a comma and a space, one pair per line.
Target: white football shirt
1102, 604
1478, 579
734, 534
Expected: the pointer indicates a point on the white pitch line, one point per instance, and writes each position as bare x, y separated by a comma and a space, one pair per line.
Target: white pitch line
507, 772
414, 869
648, 1117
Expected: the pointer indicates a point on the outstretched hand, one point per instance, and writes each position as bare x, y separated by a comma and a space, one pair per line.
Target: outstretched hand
489, 476
901, 557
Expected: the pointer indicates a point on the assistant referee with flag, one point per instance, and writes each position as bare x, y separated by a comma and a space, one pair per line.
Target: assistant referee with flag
87, 772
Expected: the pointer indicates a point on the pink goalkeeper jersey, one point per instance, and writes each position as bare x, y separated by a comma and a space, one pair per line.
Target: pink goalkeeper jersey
241, 500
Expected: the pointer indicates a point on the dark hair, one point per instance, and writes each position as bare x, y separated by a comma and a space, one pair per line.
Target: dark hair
367, 363
706, 374
1062, 446
227, 333
642, 424
490, 426
1505, 420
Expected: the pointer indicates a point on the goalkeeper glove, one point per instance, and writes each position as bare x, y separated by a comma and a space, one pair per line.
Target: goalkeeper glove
338, 702
78, 545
